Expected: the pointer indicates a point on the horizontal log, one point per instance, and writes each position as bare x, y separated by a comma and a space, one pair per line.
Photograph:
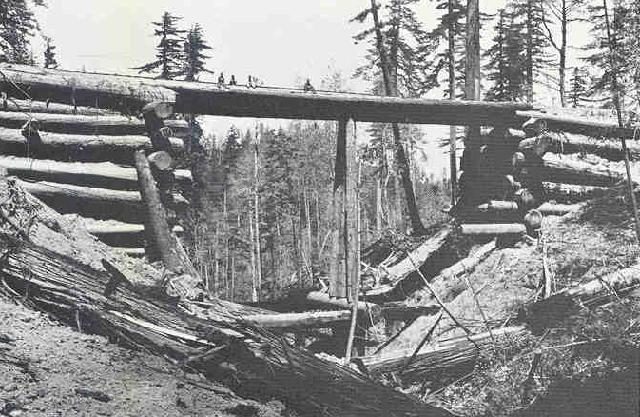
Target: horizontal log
570, 143
571, 171
569, 193
583, 126
133, 252
120, 234
442, 356
29, 106
299, 320
546, 209
209, 98
87, 125
493, 229
95, 174
401, 270
323, 298
83, 148
91, 202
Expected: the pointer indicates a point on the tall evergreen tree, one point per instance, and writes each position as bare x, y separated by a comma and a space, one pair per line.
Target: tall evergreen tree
194, 53
506, 65
50, 60
578, 88
535, 40
17, 26
169, 58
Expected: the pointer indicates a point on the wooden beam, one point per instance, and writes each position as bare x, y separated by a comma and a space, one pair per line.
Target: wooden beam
569, 193
493, 229
96, 174
569, 143
577, 172
29, 106
323, 298
298, 320
111, 91
87, 125
157, 228
583, 126
80, 148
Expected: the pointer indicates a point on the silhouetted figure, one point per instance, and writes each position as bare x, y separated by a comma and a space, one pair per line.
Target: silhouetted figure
251, 82
233, 81
308, 87
221, 80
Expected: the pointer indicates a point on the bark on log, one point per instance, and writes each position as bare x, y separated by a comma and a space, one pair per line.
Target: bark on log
567, 193
99, 203
577, 172
158, 228
493, 229
255, 362
87, 125
207, 98
299, 320
82, 148
29, 106
94, 174
569, 143
119, 234
398, 272
323, 298
577, 125
443, 356
547, 209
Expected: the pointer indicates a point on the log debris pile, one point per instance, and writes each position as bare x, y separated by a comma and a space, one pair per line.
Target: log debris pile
84, 283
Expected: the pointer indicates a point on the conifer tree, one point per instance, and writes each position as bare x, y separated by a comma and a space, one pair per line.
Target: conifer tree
50, 60
578, 87
17, 26
169, 58
194, 53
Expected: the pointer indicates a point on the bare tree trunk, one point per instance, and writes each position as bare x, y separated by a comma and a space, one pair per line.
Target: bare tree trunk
563, 54
256, 210
401, 157
451, 30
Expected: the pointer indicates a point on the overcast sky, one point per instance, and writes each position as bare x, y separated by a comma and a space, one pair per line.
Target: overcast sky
280, 41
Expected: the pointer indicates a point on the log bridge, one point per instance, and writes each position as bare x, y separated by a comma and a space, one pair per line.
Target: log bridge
106, 147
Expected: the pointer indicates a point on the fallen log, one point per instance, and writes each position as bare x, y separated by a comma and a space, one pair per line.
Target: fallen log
299, 320
438, 357
93, 174
493, 229
253, 361
398, 272
30, 106
82, 148
119, 234
570, 143
87, 125
568, 193
448, 284
323, 298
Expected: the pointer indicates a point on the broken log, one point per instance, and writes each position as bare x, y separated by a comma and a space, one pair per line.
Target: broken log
398, 272
493, 229
30, 106
568, 193
82, 148
299, 320
209, 340
570, 143
433, 358
92, 174
122, 92
87, 125
156, 226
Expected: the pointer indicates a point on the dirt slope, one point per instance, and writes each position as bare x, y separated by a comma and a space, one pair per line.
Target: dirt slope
47, 369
